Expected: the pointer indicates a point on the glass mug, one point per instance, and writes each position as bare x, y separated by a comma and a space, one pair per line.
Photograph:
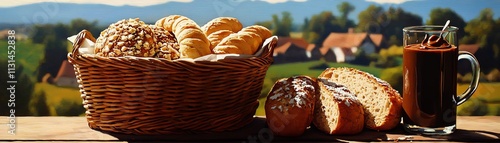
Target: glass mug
430, 79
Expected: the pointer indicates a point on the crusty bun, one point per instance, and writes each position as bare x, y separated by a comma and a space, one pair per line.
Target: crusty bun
290, 105
337, 109
234, 44
127, 37
222, 23
216, 37
382, 104
193, 43
262, 31
246, 41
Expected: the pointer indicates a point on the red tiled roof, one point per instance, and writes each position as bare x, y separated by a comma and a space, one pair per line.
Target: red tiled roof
349, 40
323, 50
297, 41
285, 42
472, 48
310, 47
282, 48
66, 70
376, 38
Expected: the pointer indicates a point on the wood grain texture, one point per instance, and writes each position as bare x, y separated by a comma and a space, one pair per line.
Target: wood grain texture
75, 129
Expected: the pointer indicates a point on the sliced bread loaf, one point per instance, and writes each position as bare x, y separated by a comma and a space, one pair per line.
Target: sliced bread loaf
337, 110
382, 104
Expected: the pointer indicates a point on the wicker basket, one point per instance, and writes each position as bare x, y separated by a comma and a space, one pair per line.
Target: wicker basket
136, 95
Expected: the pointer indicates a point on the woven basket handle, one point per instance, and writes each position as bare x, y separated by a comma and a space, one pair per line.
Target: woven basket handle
84, 34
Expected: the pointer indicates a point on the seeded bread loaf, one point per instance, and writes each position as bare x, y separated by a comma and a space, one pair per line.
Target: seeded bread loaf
290, 105
127, 37
337, 110
382, 104
132, 37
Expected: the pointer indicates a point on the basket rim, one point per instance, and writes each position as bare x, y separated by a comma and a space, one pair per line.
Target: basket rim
266, 50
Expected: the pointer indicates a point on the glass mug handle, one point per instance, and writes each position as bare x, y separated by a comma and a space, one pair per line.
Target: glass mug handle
475, 76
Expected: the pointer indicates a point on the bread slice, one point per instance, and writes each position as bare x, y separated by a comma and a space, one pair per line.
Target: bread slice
382, 104
337, 110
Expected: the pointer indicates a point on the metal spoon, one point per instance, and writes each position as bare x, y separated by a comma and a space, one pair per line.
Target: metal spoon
444, 28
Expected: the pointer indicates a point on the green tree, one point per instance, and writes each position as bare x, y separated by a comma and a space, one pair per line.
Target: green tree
371, 19
54, 54
481, 27
40, 32
320, 26
439, 16
69, 108
283, 26
484, 30
77, 25
38, 104
389, 23
345, 8
396, 20
23, 90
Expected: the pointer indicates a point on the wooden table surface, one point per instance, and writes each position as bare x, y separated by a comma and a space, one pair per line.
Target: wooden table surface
75, 129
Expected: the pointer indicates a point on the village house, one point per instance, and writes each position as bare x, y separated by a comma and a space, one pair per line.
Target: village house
292, 50
341, 47
337, 47
66, 75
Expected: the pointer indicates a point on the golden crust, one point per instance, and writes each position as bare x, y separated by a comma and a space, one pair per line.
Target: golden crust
262, 31
222, 23
248, 40
193, 43
216, 37
290, 105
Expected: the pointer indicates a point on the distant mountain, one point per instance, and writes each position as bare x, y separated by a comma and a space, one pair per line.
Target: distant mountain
202, 11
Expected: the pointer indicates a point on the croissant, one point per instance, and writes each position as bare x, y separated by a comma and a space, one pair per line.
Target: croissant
246, 41
222, 23
192, 41
216, 37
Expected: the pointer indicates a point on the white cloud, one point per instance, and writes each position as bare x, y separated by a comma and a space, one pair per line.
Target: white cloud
139, 3
389, 1
282, 1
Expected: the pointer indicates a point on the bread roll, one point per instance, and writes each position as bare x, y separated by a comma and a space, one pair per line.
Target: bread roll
246, 41
216, 37
234, 44
127, 37
381, 103
222, 23
290, 105
193, 43
337, 109
262, 31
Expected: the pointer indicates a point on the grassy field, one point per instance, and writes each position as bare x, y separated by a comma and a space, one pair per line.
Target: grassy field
28, 55
56, 94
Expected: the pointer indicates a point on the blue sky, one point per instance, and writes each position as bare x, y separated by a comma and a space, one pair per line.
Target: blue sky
141, 3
